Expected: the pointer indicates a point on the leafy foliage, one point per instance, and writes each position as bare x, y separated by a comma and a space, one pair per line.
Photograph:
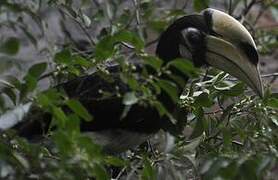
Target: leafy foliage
230, 133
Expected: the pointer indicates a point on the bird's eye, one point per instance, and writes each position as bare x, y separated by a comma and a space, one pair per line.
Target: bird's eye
192, 38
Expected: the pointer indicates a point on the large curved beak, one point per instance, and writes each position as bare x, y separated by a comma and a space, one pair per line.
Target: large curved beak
231, 48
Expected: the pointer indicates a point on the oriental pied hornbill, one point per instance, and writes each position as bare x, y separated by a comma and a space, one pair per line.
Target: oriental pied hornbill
209, 38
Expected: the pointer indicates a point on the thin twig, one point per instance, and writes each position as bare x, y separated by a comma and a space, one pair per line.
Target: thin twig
230, 7
120, 173
96, 3
138, 19
92, 42
269, 75
234, 141
185, 4
151, 42
247, 7
214, 112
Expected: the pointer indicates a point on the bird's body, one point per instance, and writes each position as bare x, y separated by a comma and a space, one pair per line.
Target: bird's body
113, 126
202, 36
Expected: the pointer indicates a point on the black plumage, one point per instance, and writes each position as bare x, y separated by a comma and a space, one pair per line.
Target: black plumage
187, 35
107, 112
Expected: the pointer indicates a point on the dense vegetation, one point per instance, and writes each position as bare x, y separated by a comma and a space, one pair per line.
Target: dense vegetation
230, 133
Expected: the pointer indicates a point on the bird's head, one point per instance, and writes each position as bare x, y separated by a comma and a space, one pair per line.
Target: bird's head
213, 38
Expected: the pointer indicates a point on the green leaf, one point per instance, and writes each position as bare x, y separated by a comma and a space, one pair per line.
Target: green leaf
132, 82
160, 108
203, 100
148, 172
63, 57
170, 88
79, 109
200, 4
158, 25
59, 116
272, 102
63, 142
37, 69
199, 126
43, 100
178, 79
73, 123
227, 136
115, 161
131, 38
21, 160
248, 169
235, 90
29, 85
130, 98
153, 61
100, 172
82, 61
105, 48
11, 46
184, 66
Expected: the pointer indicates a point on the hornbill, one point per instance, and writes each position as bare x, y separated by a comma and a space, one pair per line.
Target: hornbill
211, 38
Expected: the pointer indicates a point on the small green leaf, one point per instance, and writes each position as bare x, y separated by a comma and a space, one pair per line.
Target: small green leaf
130, 98
227, 137
132, 82
21, 160
160, 108
82, 61
199, 126
37, 69
184, 66
43, 100
158, 25
200, 4
11, 46
148, 172
73, 123
112, 160
235, 90
153, 61
63, 142
30, 83
100, 172
63, 57
79, 109
203, 100
272, 102
170, 88
59, 116
131, 38
105, 48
